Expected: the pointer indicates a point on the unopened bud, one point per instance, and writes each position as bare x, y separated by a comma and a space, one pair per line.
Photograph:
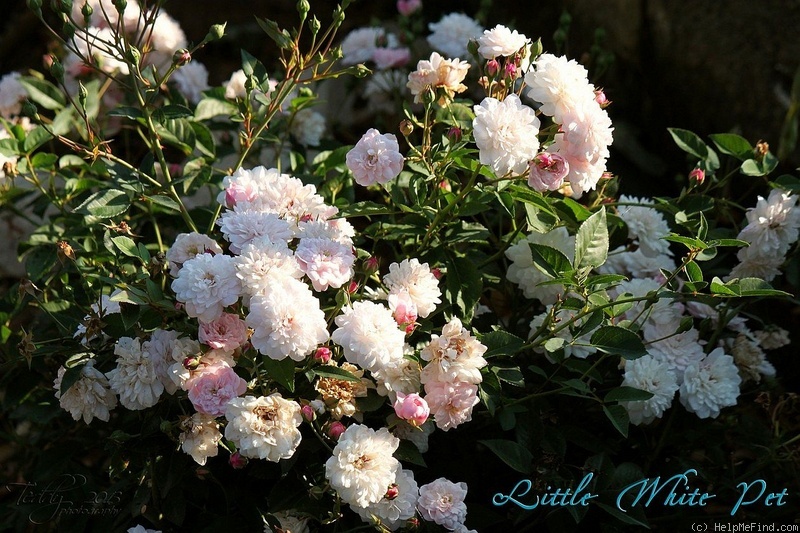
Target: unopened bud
335, 430
436, 273
352, 287
83, 95
29, 110
56, 69
371, 265
697, 176
338, 16
121, 5
87, 11
216, 32
181, 57
454, 134
308, 413
406, 127
511, 70
492, 67
303, 8
133, 55
314, 25
600, 98
392, 492
323, 354
65, 6
68, 31
238, 461
191, 362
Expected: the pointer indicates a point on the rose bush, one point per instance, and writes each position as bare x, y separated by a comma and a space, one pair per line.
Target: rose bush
228, 318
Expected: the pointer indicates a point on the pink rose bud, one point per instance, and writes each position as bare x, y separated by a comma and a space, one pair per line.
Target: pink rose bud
392, 492
323, 355
181, 57
407, 7
511, 70
412, 408
445, 186
352, 287
191, 362
178, 306
697, 175
308, 413
492, 67
237, 461
335, 430
454, 134
547, 171
371, 265
436, 273
600, 98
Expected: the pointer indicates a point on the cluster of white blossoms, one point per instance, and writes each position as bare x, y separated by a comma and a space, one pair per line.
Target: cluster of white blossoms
772, 228
452, 374
562, 87
648, 253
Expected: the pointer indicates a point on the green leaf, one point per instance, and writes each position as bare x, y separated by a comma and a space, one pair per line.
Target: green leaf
511, 453
732, 144
500, 343
689, 142
510, 375
132, 113
549, 260
178, 133
591, 242
365, 209
758, 287
627, 394
690, 242
129, 314
204, 140
554, 344
619, 418
213, 107
125, 245
71, 376
281, 37
174, 111
693, 271
105, 204
35, 138
724, 289
619, 341
280, 371
464, 284
165, 201
44, 93
334, 372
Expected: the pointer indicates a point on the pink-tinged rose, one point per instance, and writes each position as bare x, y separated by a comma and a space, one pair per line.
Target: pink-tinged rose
211, 390
390, 57
352, 287
403, 309
238, 461
547, 171
407, 7
227, 333
412, 408
511, 71
323, 355
371, 265
375, 158
451, 403
239, 192
492, 67
697, 176
335, 430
